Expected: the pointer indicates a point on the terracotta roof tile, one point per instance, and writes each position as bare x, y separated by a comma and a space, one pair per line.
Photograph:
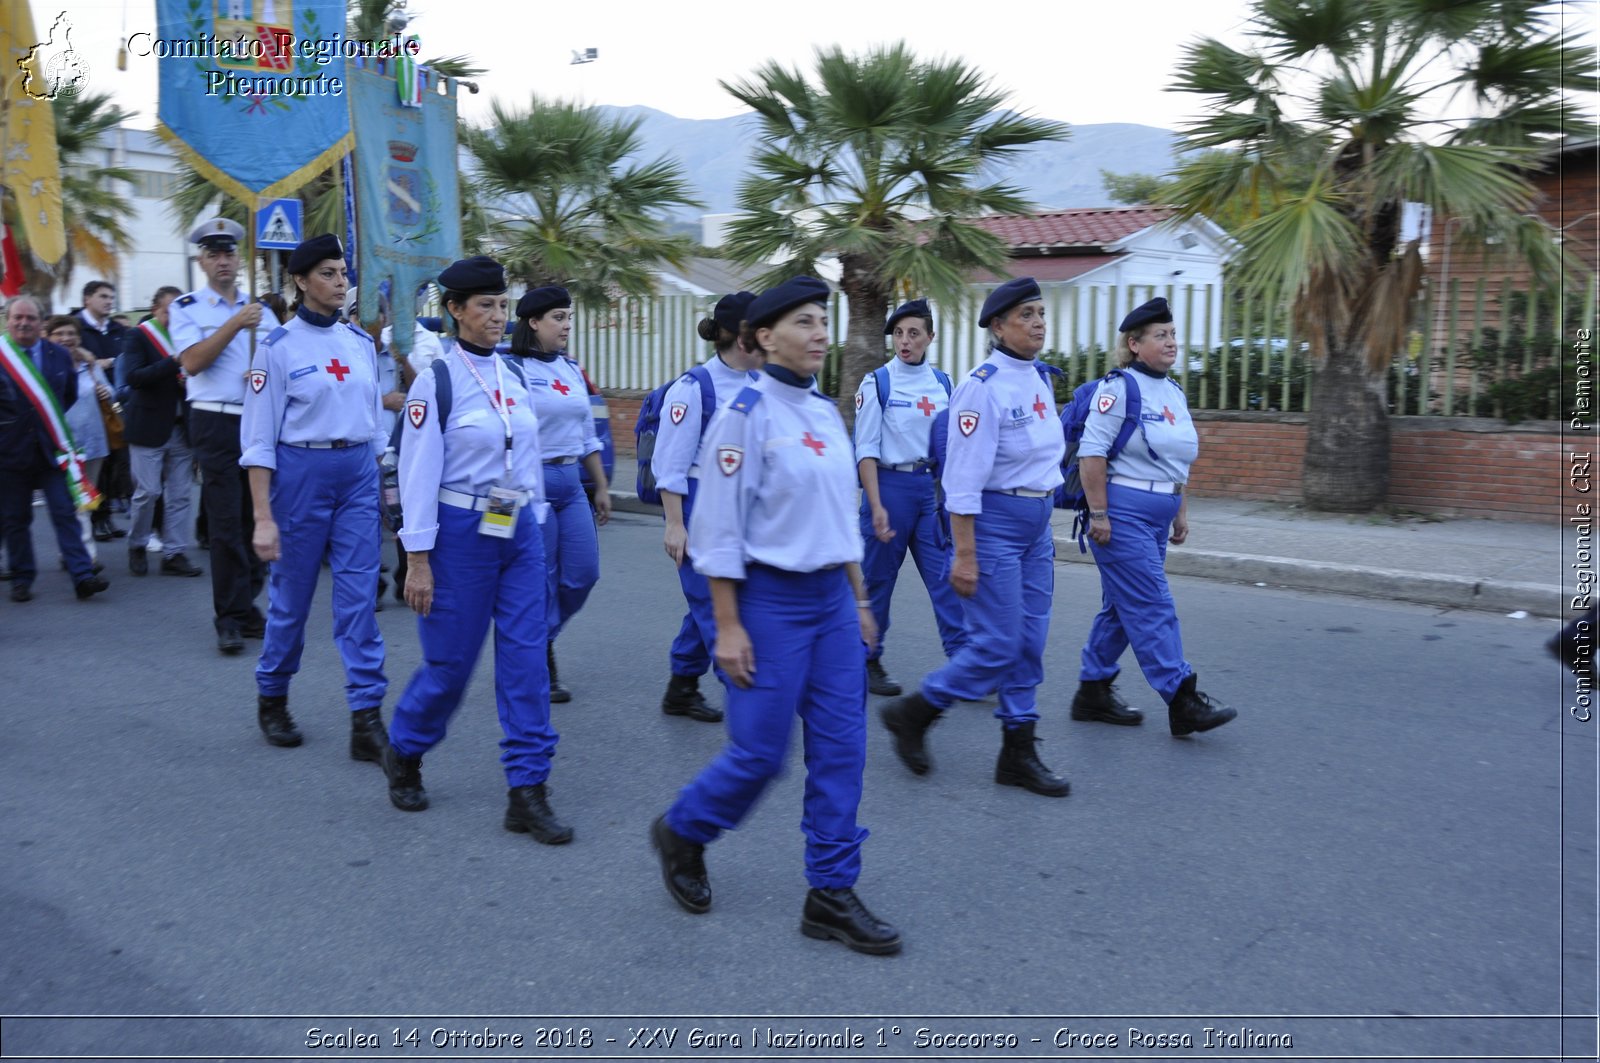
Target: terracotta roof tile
1087, 228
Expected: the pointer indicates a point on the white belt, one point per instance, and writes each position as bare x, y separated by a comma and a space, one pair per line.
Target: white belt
1160, 487
561, 461
218, 407
463, 500
1023, 492
905, 466
332, 444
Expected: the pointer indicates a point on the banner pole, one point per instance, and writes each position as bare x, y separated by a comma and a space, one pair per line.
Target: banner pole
250, 234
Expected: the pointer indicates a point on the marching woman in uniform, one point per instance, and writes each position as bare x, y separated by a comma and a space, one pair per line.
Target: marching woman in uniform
774, 531
1002, 468
473, 497
567, 434
1134, 499
899, 507
311, 435
686, 413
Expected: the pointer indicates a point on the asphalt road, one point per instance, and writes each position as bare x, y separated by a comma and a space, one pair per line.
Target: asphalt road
1400, 824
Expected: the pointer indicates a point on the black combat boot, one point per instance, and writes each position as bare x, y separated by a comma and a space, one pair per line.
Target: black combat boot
368, 736
908, 719
880, 682
558, 694
683, 698
1097, 699
405, 781
683, 867
528, 812
840, 915
1019, 764
1191, 711
276, 723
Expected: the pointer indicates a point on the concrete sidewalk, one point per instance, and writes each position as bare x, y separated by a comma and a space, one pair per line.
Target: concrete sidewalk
1500, 566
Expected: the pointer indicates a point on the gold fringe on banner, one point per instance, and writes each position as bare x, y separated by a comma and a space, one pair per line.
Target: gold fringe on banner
277, 190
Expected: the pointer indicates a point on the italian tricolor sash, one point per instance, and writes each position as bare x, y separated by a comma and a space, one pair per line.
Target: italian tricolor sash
28, 380
158, 337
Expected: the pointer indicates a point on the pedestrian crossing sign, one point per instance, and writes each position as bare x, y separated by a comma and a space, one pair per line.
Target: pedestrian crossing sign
278, 225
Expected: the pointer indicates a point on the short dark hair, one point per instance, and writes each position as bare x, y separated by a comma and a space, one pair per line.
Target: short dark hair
62, 321
94, 286
165, 289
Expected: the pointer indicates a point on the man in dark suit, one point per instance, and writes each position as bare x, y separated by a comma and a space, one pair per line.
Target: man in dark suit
103, 336
27, 459
155, 425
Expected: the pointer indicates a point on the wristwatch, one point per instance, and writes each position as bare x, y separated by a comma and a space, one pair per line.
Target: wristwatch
1098, 514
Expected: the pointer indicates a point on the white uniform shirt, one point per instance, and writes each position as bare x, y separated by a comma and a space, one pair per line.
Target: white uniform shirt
311, 383
777, 485
897, 433
469, 455
1004, 434
1168, 430
678, 438
425, 346
561, 399
196, 316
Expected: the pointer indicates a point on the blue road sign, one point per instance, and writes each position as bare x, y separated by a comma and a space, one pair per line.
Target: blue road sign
278, 225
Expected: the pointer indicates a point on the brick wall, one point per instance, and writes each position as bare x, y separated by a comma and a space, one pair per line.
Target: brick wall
624, 406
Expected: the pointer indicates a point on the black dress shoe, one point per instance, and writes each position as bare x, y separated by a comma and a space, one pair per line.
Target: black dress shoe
21, 592
683, 698
229, 642
405, 781
1097, 700
908, 719
368, 737
683, 867
880, 682
840, 915
178, 565
559, 694
254, 626
88, 588
272, 714
103, 534
138, 561
1191, 711
528, 812
1019, 764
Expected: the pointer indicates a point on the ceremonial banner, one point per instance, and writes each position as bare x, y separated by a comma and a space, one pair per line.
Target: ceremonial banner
407, 206
29, 166
253, 92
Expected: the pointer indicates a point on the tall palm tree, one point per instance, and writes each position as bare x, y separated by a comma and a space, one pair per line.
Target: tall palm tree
567, 206
1354, 85
882, 160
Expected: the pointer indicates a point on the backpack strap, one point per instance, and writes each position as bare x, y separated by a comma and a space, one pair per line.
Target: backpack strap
944, 381
443, 397
708, 395
1133, 416
880, 380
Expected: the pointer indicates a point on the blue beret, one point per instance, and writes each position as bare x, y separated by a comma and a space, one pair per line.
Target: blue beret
538, 300
317, 249
1153, 312
731, 309
773, 303
1009, 294
915, 308
479, 275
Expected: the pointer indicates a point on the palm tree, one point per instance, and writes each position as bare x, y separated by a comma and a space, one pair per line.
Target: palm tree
1353, 84
566, 206
883, 160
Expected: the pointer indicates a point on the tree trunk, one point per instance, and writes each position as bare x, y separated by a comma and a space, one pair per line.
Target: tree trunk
868, 299
1347, 436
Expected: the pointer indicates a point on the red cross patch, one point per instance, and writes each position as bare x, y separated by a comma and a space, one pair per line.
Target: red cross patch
859, 399
677, 411
967, 421
258, 380
1105, 402
729, 458
417, 412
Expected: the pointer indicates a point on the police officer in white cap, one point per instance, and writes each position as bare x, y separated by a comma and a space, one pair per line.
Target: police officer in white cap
214, 330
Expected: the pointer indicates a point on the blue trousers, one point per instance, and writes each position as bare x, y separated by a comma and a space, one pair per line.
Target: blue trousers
16, 518
913, 507
810, 662
1008, 619
476, 578
692, 647
326, 505
571, 546
1136, 606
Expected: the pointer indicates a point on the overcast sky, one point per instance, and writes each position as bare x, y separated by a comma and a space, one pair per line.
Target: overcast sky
1079, 61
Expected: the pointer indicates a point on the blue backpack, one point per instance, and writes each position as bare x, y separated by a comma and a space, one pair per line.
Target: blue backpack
1074, 416
880, 378
649, 425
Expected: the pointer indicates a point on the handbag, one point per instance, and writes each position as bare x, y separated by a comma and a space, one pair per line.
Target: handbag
111, 414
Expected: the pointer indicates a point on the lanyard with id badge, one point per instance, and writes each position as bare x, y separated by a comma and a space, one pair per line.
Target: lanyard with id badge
500, 509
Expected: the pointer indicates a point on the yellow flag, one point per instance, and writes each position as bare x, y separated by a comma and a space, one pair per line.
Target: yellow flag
29, 165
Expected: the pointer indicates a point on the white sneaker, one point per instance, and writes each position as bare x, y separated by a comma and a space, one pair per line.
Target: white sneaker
154, 544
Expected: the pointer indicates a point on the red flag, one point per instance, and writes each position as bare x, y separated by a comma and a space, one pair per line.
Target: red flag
11, 275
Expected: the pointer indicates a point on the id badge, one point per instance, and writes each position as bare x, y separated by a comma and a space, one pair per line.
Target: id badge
500, 513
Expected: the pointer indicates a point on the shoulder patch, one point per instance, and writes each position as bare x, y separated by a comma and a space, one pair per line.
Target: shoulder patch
859, 397
1105, 402
967, 421
186, 300
745, 401
417, 412
258, 380
275, 335
729, 458
983, 372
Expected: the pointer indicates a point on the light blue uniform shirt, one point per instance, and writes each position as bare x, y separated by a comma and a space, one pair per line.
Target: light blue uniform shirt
1167, 426
777, 485
311, 383
561, 401
898, 433
1004, 434
678, 438
196, 316
470, 454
